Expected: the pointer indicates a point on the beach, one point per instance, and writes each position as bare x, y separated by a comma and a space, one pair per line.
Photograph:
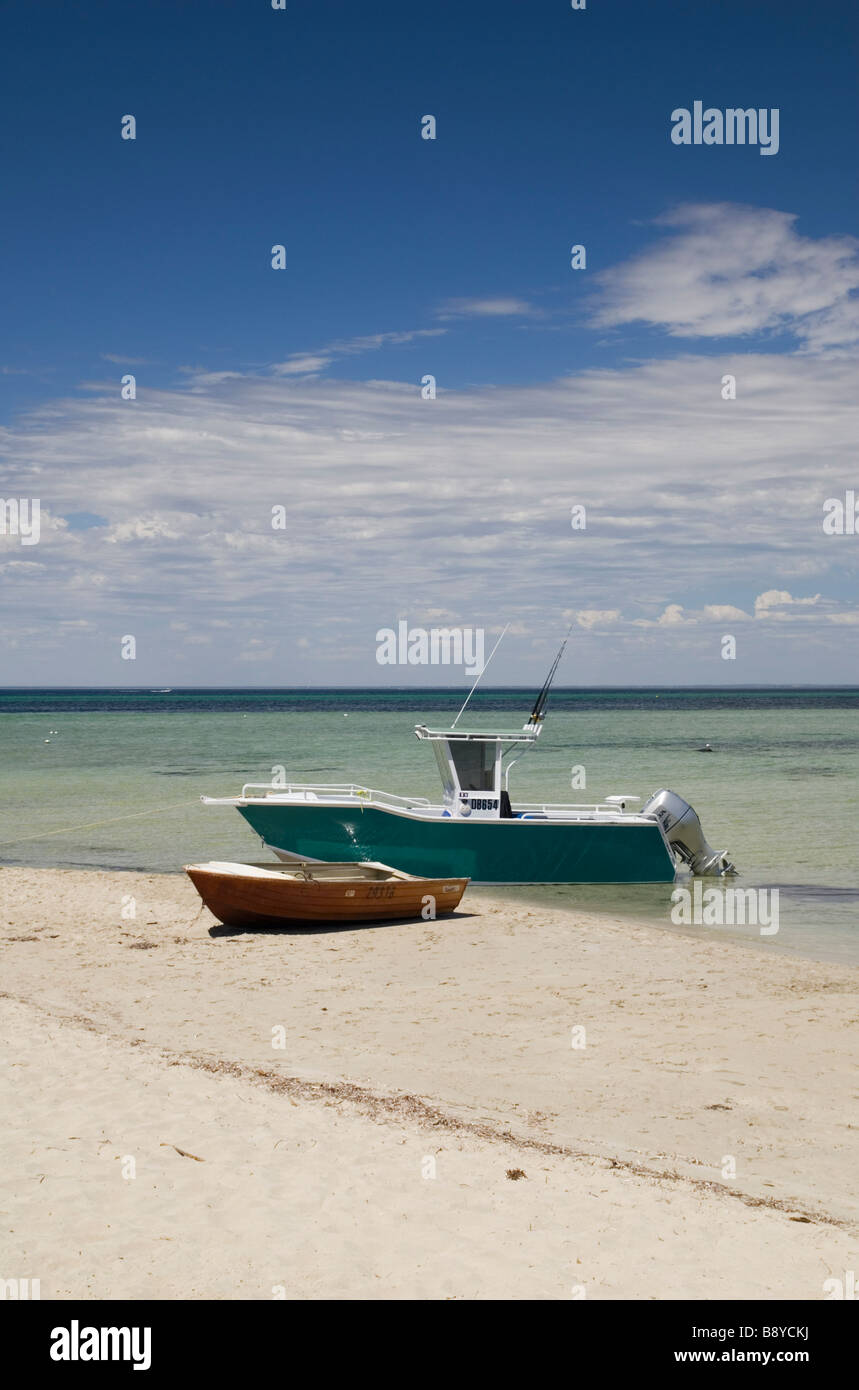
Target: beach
515, 1102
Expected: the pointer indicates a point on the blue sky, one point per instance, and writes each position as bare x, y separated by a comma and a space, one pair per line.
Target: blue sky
405, 257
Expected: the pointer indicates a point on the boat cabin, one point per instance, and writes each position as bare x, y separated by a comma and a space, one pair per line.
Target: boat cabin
470, 764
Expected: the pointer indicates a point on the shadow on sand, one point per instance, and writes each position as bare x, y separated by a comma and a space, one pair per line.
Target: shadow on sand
332, 928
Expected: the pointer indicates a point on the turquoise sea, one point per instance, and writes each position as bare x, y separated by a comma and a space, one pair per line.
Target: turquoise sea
780, 791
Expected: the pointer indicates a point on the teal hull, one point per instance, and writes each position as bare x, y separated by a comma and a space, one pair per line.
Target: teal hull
505, 851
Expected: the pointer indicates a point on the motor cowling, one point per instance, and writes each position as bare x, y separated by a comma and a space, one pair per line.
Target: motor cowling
683, 832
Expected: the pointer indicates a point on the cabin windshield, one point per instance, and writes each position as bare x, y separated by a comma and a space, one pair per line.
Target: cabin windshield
444, 770
475, 765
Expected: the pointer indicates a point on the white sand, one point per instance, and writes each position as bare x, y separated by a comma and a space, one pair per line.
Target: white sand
446, 1041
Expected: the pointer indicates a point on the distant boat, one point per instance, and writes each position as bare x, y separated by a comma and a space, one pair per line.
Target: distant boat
705, 749
271, 895
168, 690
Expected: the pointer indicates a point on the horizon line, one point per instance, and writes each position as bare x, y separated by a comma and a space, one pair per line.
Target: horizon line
429, 689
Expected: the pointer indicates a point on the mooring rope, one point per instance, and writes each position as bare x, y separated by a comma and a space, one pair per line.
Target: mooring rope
90, 825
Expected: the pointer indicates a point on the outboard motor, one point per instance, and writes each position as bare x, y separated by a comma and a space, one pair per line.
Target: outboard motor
683, 832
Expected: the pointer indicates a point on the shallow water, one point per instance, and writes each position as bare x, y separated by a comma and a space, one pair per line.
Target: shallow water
780, 791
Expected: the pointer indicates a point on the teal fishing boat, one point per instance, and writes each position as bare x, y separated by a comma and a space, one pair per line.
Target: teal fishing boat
476, 831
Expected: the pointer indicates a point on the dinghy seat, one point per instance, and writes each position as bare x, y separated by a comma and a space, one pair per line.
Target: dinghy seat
222, 866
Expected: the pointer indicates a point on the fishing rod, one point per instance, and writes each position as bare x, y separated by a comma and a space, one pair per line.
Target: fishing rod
480, 677
536, 716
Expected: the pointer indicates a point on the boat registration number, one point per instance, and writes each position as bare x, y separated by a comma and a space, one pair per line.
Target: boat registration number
381, 891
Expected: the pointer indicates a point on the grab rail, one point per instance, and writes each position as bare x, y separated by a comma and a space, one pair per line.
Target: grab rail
563, 807
332, 789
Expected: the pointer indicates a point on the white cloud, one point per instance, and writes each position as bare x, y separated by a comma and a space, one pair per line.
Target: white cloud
143, 528
725, 613
203, 380
775, 603
772, 603
595, 617
312, 363
21, 567
301, 364
487, 308
370, 342
695, 506
733, 270
673, 616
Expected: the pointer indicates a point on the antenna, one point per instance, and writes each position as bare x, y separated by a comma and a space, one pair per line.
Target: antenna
480, 677
536, 716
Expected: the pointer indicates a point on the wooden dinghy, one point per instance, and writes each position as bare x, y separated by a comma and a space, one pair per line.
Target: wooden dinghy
271, 895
